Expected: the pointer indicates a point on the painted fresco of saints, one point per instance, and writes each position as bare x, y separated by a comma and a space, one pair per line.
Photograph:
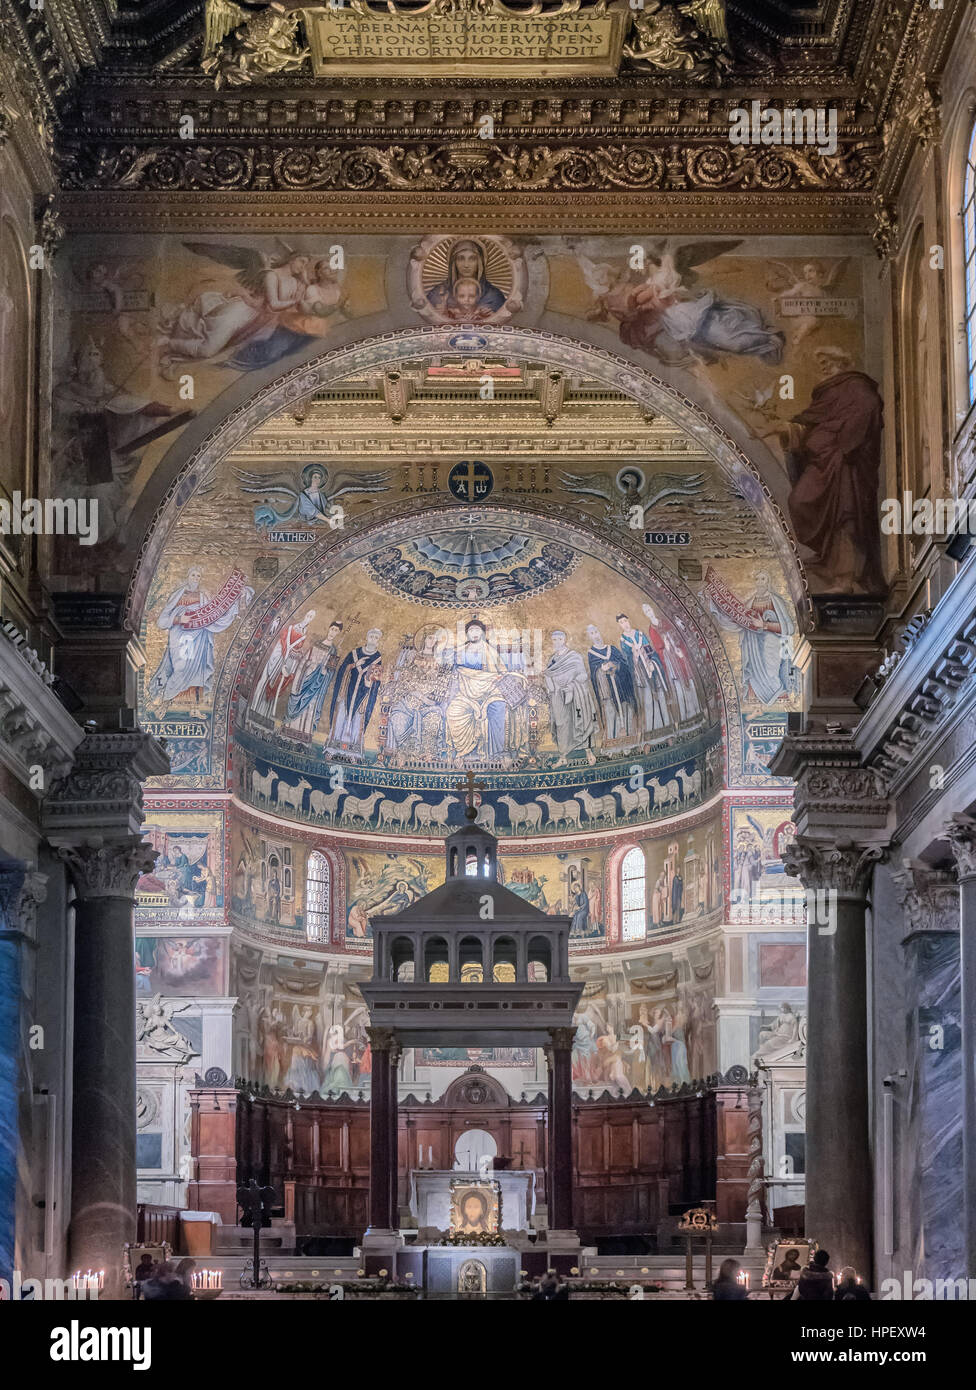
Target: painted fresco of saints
833, 454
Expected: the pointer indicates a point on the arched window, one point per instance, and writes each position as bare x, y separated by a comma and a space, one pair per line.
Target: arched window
969, 248
317, 907
633, 872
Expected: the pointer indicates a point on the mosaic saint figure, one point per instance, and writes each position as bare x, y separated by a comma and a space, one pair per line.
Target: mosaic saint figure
312, 685
572, 705
415, 722
477, 713
648, 675
354, 696
280, 668
187, 667
613, 685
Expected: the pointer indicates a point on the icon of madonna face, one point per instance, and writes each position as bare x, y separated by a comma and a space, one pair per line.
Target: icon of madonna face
466, 287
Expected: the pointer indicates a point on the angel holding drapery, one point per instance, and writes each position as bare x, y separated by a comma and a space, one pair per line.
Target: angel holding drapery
264, 317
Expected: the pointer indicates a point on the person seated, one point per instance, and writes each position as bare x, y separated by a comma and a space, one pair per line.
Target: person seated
816, 1283
850, 1287
165, 1284
726, 1288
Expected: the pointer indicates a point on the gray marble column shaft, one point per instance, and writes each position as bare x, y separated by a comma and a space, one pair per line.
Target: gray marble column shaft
961, 833
838, 1160
103, 1109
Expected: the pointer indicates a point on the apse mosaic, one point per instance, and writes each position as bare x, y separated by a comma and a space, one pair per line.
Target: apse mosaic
576, 690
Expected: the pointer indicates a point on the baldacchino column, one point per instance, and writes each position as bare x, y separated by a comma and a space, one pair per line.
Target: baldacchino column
559, 1054
93, 818
841, 814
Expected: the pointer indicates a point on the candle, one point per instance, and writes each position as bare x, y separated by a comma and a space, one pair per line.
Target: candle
420, 1155
430, 1155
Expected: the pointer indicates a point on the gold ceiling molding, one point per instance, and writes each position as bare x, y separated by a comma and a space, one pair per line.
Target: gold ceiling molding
671, 213
464, 38
471, 166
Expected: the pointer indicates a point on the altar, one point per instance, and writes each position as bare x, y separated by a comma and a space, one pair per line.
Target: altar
431, 1195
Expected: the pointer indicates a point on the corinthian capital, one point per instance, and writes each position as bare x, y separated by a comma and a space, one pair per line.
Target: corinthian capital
112, 870
382, 1040
929, 898
839, 865
21, 891
960, 831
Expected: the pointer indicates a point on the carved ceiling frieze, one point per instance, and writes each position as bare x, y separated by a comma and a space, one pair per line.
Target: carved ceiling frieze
474, 166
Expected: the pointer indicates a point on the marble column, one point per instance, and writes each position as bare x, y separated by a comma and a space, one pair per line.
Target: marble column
103, 1129
931, 1144
382, 1046
560, 1129
839, 1209
20, 892
960, 831
394, 1132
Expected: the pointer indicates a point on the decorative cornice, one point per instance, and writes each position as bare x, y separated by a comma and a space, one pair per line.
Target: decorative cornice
102, 795
469, 166
931, 675
518, 214
36, 731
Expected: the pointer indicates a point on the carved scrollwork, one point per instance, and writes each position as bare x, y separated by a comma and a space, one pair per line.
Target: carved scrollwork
960, 831
108, 870
929, 898
460, 167
843, 866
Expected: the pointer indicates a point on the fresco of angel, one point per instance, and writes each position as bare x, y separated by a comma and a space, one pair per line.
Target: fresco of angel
815, 280
312, 503
633, 487
278, 296
662, 310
